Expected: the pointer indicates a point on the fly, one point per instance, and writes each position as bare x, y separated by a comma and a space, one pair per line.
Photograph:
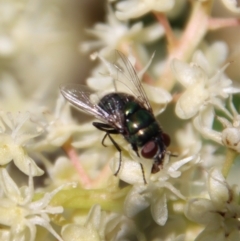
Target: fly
130, 115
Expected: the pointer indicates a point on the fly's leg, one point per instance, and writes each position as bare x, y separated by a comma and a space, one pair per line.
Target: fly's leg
110, 130
171, 154
144, 179
105, 127
135, 148
119, 150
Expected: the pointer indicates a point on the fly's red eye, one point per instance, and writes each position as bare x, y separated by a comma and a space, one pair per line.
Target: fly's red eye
149, 150
166, 139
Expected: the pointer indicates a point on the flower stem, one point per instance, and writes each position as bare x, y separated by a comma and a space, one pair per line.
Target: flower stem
218, 23
230, 157
168, 30
70, 151
193, 34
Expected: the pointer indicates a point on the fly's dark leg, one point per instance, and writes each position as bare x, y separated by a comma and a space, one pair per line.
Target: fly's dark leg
135, 148
144, 179
109, 130
170, 154
104, 140
105, 127
120, 153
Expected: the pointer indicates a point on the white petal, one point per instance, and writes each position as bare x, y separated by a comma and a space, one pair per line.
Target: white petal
234, 235
217, 188
157, 95
187, 75
93, 83
77, 233
159, 209
191, 101
178, 164
130, 171
94, 217
5, 154
151, 33
174, 190
207, 116
162, 6
231, 90
44, 223
136, 201
217, 54
131, 9
22, 160
135, 8
219, 79
201, 211
212, 234
85, 141
232, 5
9, 186
200, 59
207, 132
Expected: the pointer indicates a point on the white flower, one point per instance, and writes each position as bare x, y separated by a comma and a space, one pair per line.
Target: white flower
178, 8
16, 131
190, 143
20, 213
58, 126
115, 35
219, 214
90, 230
201, 89
62, 171
232, 5
137, 8
210, 57
159, 189
230, 136
210, 157
99, 224
188, 140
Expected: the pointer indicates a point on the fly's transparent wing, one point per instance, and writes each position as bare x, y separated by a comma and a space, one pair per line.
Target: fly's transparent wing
84, 99
126, 73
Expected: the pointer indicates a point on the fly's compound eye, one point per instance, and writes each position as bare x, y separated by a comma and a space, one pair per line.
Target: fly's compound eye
166, 139
149, 150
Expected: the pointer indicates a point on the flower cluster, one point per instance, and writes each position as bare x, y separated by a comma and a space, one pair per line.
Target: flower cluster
219, 213
131, 178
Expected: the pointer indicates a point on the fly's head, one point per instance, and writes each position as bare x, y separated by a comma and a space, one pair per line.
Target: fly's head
155, 149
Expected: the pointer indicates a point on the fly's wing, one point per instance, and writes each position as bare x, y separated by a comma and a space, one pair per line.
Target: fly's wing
126, 73
84, 99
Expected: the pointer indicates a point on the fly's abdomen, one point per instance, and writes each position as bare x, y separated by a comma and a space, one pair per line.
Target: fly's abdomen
141, 124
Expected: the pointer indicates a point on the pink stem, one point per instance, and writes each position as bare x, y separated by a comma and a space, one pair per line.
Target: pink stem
72, 154
168, 30
217, 23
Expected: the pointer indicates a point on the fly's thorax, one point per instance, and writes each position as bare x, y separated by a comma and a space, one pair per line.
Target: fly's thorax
114, 102
141, 125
